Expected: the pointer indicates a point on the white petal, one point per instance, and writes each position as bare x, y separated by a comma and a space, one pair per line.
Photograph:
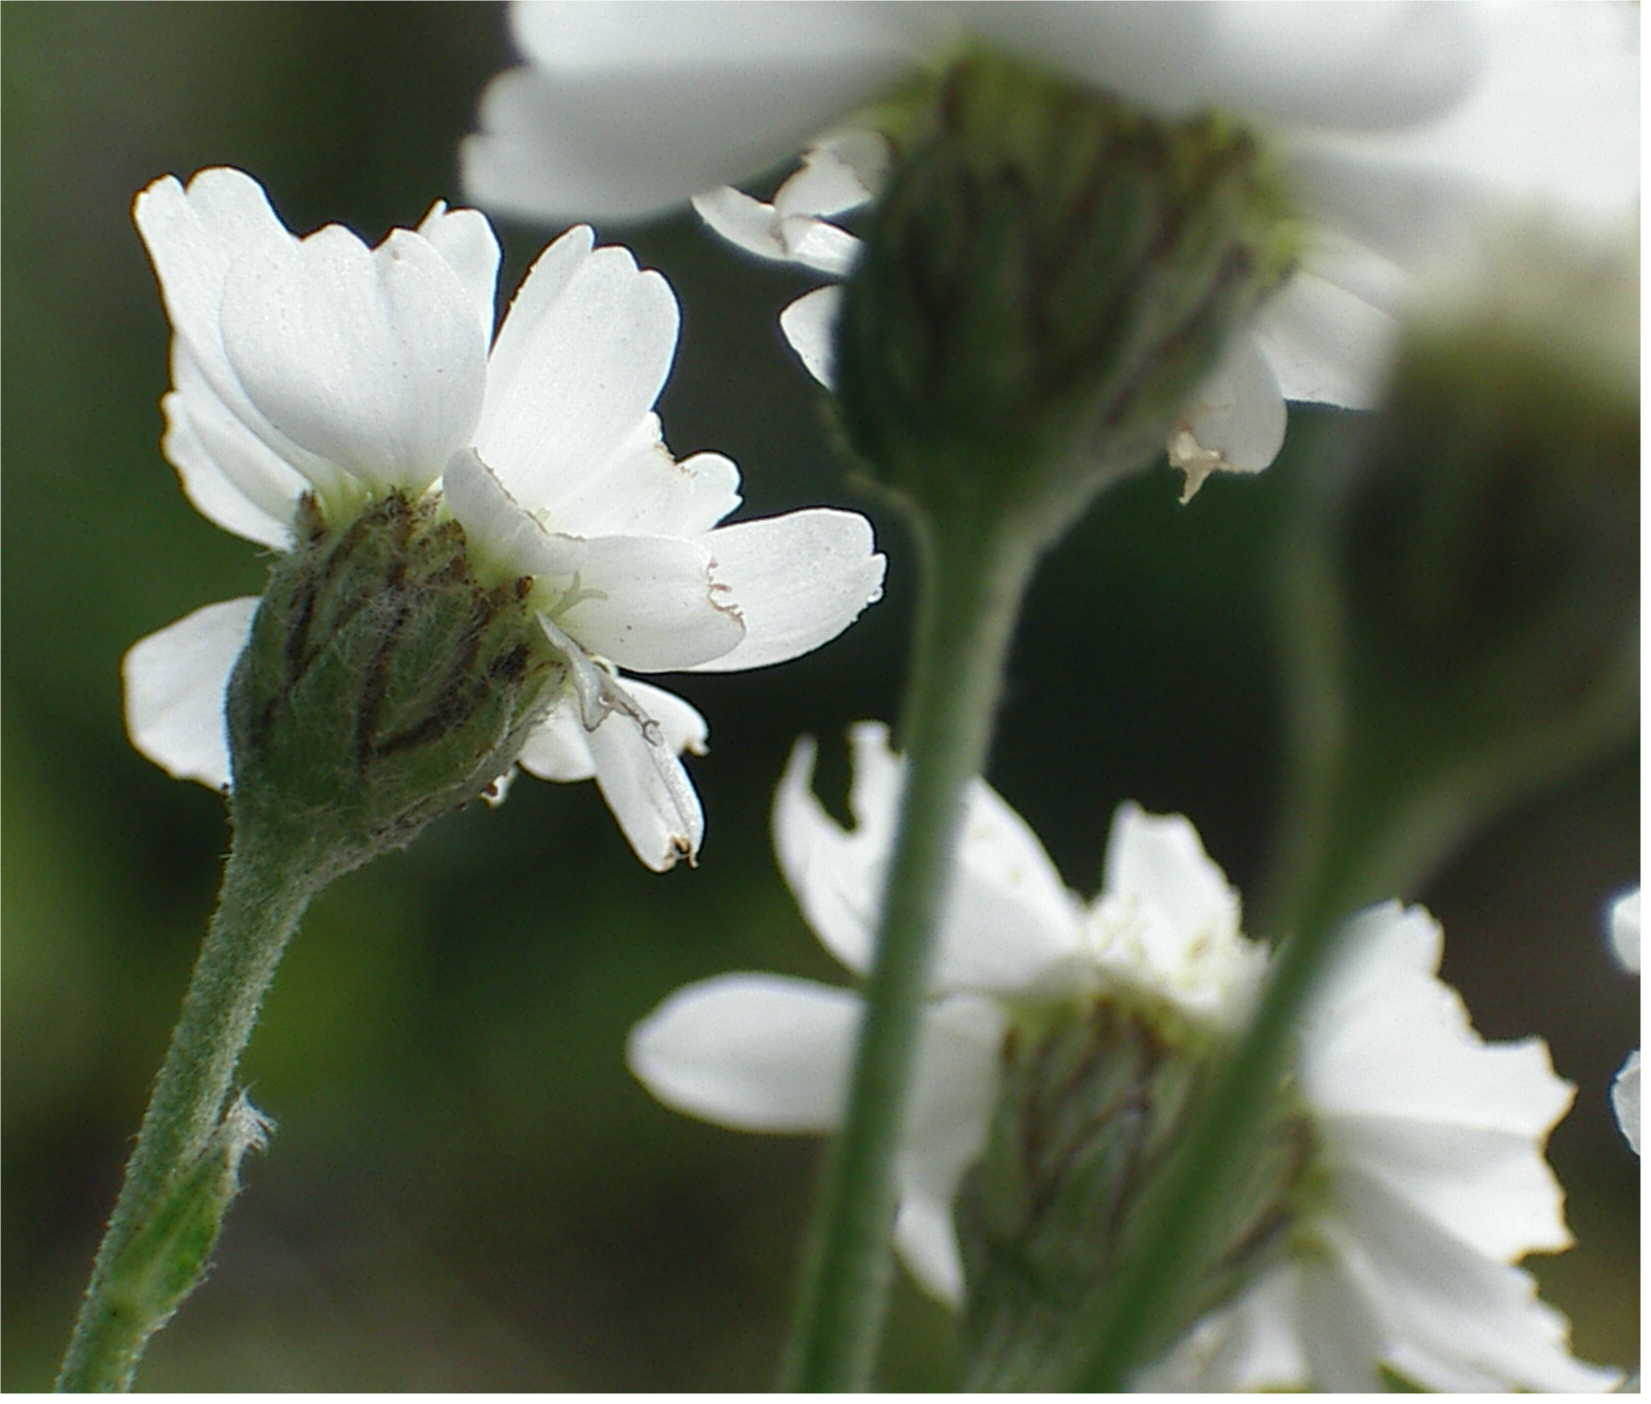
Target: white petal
1553, 126
644, 496
876, 786
1410, 1053
1624, 922
175, 681
1167, 919
1387, 1038
465, 239
631, 108
838, 174
954, 1089
580, 359
650, 603
193, 235
1235, 423
1625, 1099
227, 472
1326, 344
1376, 944
1009, 925
810, 325
1342, 1329
1454, 1312
763, 230
754, 1052
833, 878
813, 243
374, 361
501, 536
1355, 65
744, 221
1253, 1345
1250, 1345
559, 748
648, 791
797, 581
1491, 1188
195, 238
926, 1239
640, 490
680, 722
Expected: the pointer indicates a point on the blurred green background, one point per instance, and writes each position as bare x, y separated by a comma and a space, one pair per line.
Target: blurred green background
467, 1191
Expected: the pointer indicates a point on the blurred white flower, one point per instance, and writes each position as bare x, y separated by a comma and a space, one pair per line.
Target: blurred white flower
1624, 923
1392, 121
319, 366
1426, 1182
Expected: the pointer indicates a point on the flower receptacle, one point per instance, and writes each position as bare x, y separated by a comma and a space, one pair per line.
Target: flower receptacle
1046, 278
383, 685
1093, 1102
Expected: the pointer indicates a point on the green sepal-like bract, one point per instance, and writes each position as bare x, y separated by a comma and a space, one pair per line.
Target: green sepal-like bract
167, 1254
383, 685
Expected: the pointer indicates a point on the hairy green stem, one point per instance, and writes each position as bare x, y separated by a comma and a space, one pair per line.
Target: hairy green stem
266, 886
974, 575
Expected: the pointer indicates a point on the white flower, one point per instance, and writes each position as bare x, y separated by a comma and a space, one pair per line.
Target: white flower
319, 366
1624, 923
1428, 1180
1392, 119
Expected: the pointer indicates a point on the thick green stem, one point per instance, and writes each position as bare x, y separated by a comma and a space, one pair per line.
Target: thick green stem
972, 584
266, 886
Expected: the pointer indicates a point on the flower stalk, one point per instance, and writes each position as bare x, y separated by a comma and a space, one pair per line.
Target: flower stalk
141, 1276
382, 685
972, 583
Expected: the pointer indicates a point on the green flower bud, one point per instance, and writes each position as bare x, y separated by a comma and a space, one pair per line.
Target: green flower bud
166, 1257
1047, 277
1091, 1104
383, 685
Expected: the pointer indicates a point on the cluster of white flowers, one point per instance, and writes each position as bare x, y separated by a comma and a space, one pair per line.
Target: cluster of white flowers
319, 366
1428, 1182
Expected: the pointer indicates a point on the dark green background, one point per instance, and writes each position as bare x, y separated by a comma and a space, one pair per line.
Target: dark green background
467, 1191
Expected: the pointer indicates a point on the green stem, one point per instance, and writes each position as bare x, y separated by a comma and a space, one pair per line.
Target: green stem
1168, 1252
266, 886
974, 575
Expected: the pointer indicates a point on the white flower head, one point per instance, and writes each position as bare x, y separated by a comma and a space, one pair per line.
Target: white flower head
1623, 922
1427, 1180
318, 367
1429, 1185
1394, 122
